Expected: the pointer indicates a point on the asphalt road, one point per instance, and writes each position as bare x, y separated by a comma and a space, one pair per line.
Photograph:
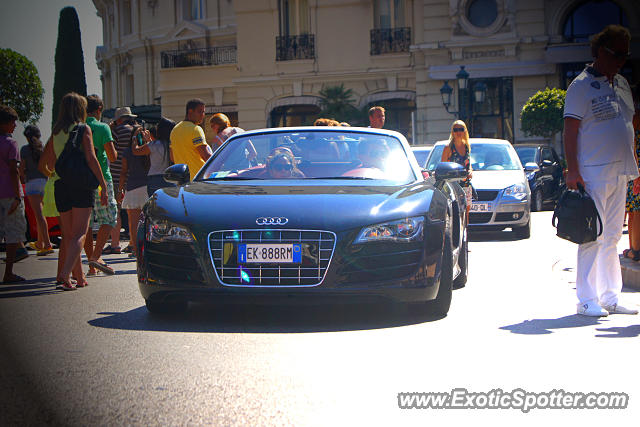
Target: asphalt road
96, 357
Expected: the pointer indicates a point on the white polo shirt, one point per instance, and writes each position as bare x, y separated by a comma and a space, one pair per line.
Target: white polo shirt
605, 136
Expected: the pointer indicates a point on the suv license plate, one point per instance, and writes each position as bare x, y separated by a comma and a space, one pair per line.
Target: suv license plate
281, 253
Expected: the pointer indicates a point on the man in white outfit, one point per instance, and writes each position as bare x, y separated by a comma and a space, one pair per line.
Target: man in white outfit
598, 135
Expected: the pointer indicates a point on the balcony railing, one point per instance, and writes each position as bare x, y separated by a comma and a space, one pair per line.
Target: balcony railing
390, 40
199, 57
295, 47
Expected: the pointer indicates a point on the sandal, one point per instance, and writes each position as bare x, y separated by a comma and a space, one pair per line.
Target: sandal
128, 249
631, 254
110, 250
102, 266
65, 286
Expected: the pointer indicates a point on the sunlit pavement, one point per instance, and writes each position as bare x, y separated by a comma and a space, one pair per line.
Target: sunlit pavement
95, 356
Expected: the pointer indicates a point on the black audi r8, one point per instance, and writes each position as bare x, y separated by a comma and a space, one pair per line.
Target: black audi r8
308, 213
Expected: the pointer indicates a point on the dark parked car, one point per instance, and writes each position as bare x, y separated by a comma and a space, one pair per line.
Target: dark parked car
543, 168
321, 214
422, 153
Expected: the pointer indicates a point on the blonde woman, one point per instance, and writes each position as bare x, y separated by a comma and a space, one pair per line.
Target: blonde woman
458, 151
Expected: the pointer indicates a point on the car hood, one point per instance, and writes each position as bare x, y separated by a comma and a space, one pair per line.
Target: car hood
496, 180
224, 205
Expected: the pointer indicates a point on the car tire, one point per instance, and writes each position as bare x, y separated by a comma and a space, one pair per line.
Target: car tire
523, 232
536, 201
441, 304
463, 261
166, 306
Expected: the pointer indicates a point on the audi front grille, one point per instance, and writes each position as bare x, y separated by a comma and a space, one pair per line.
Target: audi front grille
316, 246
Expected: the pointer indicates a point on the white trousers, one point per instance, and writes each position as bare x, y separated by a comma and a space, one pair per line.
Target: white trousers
599, 278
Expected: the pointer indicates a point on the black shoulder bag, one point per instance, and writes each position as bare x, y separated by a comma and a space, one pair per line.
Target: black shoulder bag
71, 166
577, 217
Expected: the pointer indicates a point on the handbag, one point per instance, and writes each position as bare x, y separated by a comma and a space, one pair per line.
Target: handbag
71, 165
577, 217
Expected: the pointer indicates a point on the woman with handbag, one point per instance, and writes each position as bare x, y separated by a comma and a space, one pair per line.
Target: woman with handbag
74, 197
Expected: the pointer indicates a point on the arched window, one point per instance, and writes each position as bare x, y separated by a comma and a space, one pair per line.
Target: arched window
590, 17
294, 115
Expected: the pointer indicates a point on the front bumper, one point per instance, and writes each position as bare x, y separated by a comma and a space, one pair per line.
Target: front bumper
506, 213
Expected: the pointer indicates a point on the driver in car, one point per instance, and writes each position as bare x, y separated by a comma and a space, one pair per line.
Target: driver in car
372, 154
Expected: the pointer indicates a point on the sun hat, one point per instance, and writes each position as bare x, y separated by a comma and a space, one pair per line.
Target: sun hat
123, 112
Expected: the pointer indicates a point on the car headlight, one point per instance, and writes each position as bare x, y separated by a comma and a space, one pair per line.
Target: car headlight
519, 191
162, 231
404, 230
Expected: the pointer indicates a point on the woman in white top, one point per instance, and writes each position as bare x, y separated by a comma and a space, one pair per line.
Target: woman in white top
221, 127
158, 152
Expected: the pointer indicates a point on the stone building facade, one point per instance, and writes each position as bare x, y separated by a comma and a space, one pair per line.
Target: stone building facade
264, 62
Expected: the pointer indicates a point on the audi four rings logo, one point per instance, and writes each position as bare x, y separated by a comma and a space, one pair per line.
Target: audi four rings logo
269, 220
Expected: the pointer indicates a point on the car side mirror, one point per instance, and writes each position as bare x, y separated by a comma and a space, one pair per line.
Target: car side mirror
547, 163
531, 167
449, 171
177, 174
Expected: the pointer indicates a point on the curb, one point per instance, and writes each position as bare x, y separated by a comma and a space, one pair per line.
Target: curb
630, 273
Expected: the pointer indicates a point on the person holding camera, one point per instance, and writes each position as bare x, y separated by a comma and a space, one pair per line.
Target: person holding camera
122, 128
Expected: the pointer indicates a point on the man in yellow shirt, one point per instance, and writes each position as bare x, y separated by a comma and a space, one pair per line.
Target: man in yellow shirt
188, 143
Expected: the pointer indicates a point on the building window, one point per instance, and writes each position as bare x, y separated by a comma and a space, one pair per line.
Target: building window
125, 10
192, 10
492, 118
590, 18
294, 41
294, 17
389, 13
482, 13
294, 115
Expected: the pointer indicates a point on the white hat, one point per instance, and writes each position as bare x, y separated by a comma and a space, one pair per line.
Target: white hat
123, 112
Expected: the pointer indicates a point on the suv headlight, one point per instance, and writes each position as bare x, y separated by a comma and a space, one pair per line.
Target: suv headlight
404, 230
162, 231
519, 191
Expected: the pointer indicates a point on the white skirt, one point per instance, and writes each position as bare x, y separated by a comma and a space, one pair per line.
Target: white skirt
135, 198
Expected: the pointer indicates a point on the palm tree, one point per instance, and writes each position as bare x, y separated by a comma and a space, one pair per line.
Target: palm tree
337, 103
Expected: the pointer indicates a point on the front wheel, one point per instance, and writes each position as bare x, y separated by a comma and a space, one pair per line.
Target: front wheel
463, 262
442, 303
536, 201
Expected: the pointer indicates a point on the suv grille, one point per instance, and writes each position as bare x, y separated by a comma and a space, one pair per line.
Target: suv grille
317, 250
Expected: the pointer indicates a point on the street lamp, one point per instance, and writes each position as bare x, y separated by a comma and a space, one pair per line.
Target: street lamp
462, 80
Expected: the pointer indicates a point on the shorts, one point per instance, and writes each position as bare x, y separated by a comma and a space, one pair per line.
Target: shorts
105, 215
12, 227
68, 197
136, 198
35, 187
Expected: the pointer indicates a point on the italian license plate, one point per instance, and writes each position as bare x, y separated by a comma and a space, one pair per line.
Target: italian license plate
282, 253
481, 207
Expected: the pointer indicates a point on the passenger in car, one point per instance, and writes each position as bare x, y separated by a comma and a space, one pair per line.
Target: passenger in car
372, 154
282, 164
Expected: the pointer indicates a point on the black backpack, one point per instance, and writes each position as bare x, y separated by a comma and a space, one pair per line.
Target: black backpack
577, 217
71, 165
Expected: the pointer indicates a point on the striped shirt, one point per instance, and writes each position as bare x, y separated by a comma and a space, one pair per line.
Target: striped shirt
122, 136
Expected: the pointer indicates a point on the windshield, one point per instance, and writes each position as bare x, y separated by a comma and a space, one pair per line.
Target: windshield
421, 156
526, 154
493, 157
483, 157
310, 155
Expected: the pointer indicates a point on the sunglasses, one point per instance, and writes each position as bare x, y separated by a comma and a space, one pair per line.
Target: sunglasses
617, 55
282, 167
458, 129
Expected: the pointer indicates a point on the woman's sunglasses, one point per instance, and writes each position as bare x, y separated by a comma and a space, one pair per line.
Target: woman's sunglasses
458, 129
282, 167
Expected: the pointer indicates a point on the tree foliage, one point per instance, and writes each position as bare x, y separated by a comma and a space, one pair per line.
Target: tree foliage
542, 113
20, 86
337, 103
69, 60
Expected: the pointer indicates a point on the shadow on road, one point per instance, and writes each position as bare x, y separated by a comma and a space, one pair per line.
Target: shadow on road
29, 288
202, 317
546, 326
491, 236
630, 331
